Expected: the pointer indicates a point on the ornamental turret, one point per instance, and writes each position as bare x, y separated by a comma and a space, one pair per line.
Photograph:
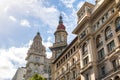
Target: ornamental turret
60, 39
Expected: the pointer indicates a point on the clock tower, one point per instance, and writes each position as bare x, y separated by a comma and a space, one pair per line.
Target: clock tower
60, 39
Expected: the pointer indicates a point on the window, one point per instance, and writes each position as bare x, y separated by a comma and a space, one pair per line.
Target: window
58, 74
66, 56
103, 70
111, 46
63, 59
82, 34
108, 33
94, 28
106, 15
98, 24
117, 24
73, 74
73, 60
74, 48
101, 54
58, 38
103, 20
67, 65
62, 38
99, 41
85, 49
62, 70
119, 38
85, 61
87, 77
114, 63
57, 65
37, 59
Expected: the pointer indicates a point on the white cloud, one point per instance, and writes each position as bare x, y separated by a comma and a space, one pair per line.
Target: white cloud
47, 44
68, 3
49, 54
20, 9
80, 5
12, 18
11, 59
25, 23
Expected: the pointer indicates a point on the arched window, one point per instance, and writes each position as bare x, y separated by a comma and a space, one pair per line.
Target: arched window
85, 49
117, 24
99, 41
108, 33
117, 78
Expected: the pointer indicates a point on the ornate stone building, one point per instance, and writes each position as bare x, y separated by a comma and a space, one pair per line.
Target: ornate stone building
36, 62
95, 52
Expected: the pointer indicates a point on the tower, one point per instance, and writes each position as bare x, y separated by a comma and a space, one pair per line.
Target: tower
60, 39
35, 58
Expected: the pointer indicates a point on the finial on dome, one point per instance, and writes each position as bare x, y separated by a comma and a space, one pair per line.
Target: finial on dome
61, 25
60, 19
38, 33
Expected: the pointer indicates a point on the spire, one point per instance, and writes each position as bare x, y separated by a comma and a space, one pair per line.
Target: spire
60, 19
37, 42
38, 36
61, 25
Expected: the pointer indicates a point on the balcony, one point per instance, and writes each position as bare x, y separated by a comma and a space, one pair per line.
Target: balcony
84, 16
110, 73
86, 67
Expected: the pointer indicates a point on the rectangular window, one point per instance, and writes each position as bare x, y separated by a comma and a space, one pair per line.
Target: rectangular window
114, 63
57, 65
73, 74
85, 61
87, 77
103, 20
103, 70
119, 38
37, 59
82, 34
101, 54
111, 46
66, 56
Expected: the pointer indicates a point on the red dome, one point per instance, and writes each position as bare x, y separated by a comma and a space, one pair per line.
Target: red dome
61, 26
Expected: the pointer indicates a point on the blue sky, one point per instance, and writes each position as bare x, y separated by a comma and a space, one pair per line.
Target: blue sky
20, 20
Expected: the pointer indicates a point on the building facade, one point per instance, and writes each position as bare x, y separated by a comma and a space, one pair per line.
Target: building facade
37, 62
95, 52
19, 75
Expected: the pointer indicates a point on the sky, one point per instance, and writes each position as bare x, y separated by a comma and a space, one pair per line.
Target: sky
20, 20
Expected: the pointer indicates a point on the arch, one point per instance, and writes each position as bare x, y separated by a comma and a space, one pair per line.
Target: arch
108, 33
117, 24
98, 41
